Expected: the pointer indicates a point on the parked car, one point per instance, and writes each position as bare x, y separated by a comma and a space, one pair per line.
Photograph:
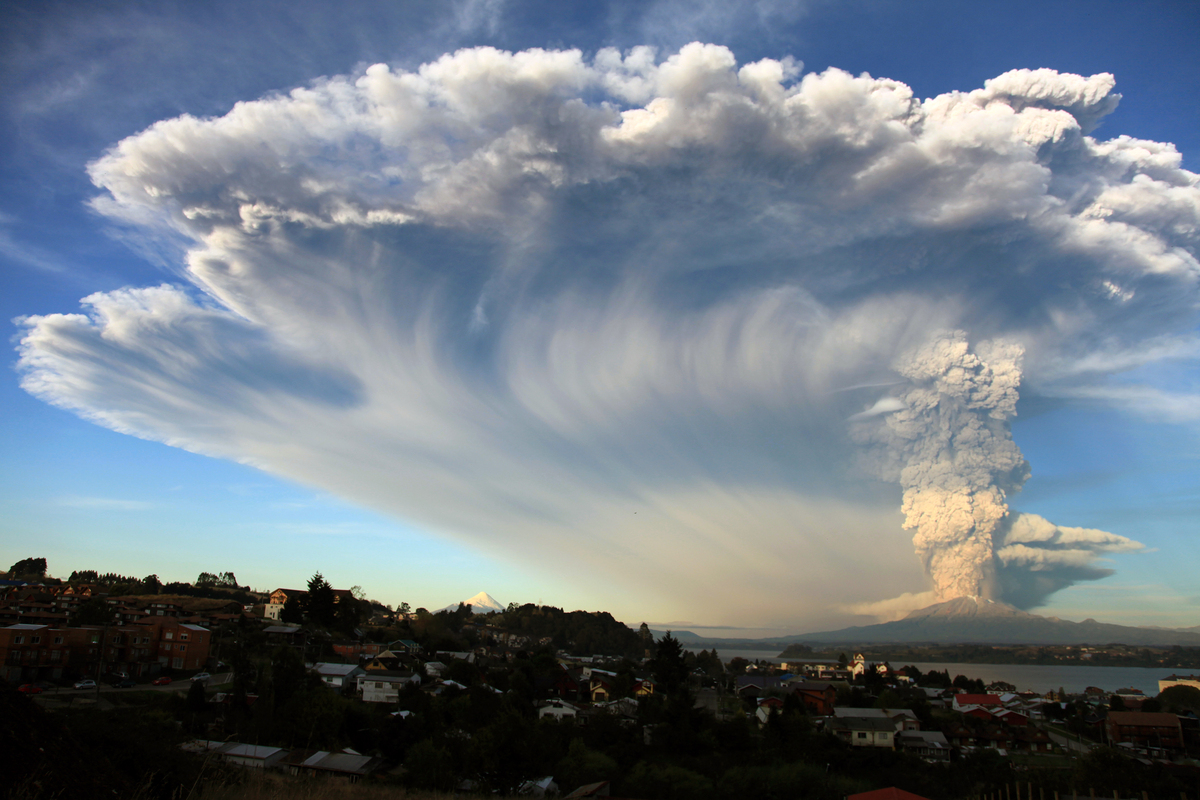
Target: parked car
30, 688
161, 680
125, 683
86, 683
201, 676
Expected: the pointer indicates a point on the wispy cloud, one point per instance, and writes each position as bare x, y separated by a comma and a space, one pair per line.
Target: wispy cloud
604, 312
105, 504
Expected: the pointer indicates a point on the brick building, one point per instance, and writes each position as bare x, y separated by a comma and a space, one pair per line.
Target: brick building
32, 652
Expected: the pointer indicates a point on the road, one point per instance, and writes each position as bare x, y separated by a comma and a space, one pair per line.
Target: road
1069, 743
179, 685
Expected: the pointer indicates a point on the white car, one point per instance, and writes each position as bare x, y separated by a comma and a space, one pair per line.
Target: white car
86, 683
201, 676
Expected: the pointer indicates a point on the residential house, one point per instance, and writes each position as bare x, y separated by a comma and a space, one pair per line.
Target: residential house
380, 686
890, 793
29, 652
288, 635
818, 696
864, 731
339, 677
558, 709
995, 737
1144, 729
1179, 680
560, 683
358, 650
278, 598
602, 685
901, 718
755, 685
965, 702
253, 755
180, 645
1031, 739
930, 746
347, 765
405, 647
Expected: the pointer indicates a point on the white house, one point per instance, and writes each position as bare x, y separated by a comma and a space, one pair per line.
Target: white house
558, 709
384, 687
338, 676
864, 731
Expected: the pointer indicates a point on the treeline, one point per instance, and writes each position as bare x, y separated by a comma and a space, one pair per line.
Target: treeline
578, 632
216, 586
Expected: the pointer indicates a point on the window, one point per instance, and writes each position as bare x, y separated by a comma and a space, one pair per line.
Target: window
169, 635
56, 655
182, 647
183, 636
37, 640
177, 663
862, 735
18, 640
58, 640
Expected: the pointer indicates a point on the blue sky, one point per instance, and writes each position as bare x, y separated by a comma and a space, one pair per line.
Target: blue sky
503, 498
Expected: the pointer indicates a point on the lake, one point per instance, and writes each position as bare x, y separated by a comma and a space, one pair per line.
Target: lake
1034, 677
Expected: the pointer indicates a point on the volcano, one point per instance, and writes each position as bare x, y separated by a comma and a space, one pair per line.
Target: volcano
972, 620
482, 603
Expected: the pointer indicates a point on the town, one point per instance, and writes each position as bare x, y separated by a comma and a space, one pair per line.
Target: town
159, 686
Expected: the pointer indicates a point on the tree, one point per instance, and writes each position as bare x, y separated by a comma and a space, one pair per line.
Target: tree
93, 612
1116, 703
292, 611
737, 665
670, 666
320, 604
151, 584
349, 612
196, 706
1180, 699
404, 608
28, 568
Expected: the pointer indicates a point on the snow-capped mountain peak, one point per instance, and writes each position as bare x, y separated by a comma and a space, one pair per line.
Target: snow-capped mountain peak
482, 603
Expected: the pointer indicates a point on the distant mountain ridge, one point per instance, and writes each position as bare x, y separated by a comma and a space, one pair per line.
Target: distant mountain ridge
482, 603
970, 620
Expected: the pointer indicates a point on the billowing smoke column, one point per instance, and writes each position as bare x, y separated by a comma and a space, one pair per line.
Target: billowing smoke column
951, 450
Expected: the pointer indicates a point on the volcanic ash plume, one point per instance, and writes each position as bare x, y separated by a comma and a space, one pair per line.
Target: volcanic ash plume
951, 450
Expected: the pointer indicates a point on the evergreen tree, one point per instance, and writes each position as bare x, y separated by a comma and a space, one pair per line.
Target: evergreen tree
320, 606
670, 667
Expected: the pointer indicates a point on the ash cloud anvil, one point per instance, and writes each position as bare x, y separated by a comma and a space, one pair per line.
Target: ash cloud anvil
517, 297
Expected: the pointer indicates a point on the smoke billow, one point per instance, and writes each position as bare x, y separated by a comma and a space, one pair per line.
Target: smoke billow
605, 311
950, 449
